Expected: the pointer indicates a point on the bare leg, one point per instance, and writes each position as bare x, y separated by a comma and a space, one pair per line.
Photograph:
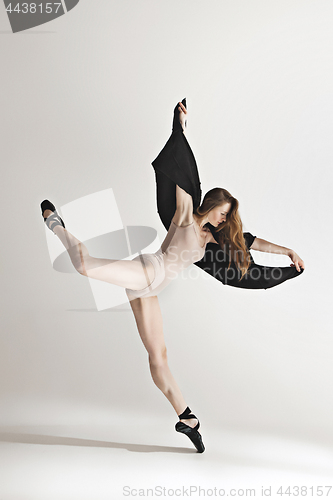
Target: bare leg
124, 273
146, 311
148, 318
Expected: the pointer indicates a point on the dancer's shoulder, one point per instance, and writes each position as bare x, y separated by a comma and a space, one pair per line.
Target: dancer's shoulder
210, 237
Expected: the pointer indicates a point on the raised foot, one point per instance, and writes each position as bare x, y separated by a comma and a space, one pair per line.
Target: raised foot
51, 216
47, 213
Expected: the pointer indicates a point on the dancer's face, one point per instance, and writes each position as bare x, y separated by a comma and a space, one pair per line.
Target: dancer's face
218, 215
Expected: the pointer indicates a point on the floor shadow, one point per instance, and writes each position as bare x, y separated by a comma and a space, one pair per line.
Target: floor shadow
100, 312
226, 458
11, 437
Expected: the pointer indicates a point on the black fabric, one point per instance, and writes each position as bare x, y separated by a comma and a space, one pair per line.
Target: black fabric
249, 239
176, 165
176, 162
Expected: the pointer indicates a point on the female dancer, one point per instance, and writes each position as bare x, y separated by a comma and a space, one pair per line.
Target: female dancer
185, 243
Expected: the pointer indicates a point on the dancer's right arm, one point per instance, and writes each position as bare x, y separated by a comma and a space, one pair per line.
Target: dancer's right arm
184, 207
182, 115
183, 199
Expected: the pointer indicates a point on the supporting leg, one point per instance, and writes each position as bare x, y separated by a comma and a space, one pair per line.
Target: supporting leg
148, 318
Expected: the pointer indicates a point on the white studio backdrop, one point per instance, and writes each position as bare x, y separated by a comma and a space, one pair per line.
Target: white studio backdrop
86, 105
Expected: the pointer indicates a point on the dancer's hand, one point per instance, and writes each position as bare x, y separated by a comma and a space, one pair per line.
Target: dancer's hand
297, 261
182, 115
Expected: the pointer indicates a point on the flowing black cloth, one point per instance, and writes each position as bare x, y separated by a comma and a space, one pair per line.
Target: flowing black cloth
176, 165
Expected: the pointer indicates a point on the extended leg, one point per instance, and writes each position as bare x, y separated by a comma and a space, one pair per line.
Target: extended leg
148, 318
124, 273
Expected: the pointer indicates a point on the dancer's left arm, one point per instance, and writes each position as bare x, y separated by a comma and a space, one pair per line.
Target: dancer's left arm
266, 246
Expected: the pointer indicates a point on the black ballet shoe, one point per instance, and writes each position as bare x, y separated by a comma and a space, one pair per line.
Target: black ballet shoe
191, 432
176, 125
54, 219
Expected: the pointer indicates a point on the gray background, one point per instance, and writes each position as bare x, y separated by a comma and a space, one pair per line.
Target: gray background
86, 104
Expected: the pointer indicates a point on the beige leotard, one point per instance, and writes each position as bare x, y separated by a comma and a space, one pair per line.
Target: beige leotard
180, 248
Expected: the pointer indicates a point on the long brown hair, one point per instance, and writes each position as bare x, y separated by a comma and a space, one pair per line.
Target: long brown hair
230, 233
